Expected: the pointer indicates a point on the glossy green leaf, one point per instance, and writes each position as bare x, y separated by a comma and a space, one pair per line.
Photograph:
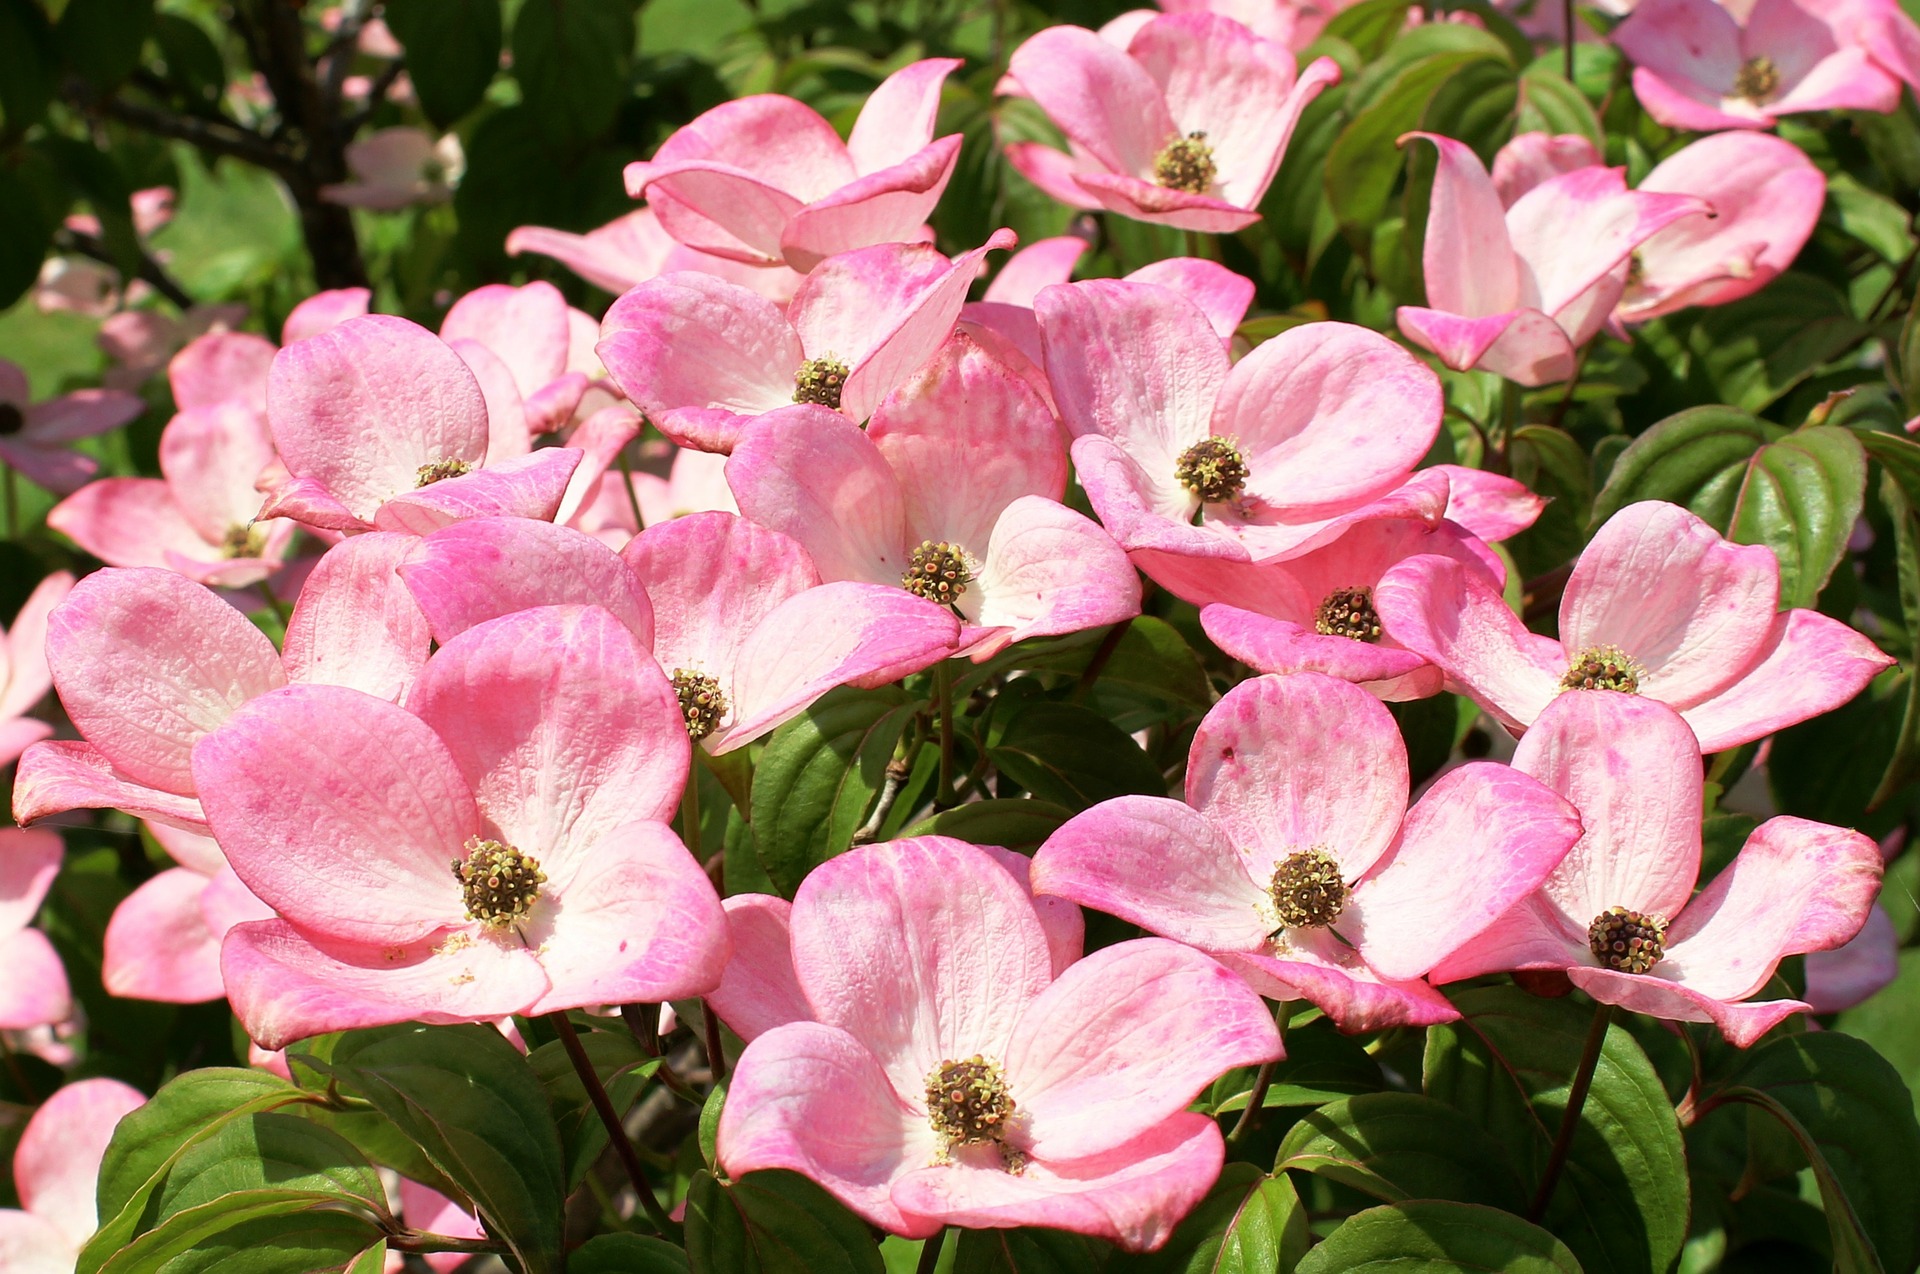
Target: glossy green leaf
1369, 26
1868, 216
1015, 823
1621, 1204
1433, 1236
626, 1254
1697, 457
29, 66
296, 1243
1072, 756
1027, 1251
474, 1106
101, 39
25, 234
1890, 1021
1756, 349
774, 1223
571, 59
453, 50
1151, 657
1249, 1223
817, 777
1549, 104
197, 1228
1852, 1115
194, 66
270, 1152
623, 1069
1399, 1146
1801, 498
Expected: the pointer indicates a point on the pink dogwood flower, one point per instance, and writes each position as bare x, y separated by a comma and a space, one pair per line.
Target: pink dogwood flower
1295, 861
948, 1076
765, 179
381, 424
24, 677
34, 435
527, 332
163, 940
1183, 127
1703, 66
343, 812
140, 342
631, 249
1619, 913
1856, 970
397, 167
147, 662
703, 357
952, 492
1659, 605
54, 1169
1278, 453
36, 992
1517, 291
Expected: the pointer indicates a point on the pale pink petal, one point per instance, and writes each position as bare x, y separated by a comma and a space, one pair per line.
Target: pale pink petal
286, 987
1691, 42
483, 568
84, 413
562, 726
758, 991
1315, 966
619, 255
812, 1099
322, 311
1282, 646
1809, 664
924, 950
17, 734
1065, 927
1450, 615
1148, 201
1535, 934
36, 991
531, 486
1285, 764
193, 850
1469, 262
525, 327
1531, 158
29, 860
212, 457
1049, 570
60, 1152
31, 1245
341, 812
600, 439
226, 901
363, 406
1222, 295
1131, 1194
813, 475
308, 501
130, 522
1427, 899
1490, 505
23, 648
147, 662
1846, 80
60, 774
898, 117
221, 367
1098, 95
1742, 1024
887, 206
508, 431
158, 945
1573, 229
1055, 172
1040, 264
1459, 342
1854, 971
355, 624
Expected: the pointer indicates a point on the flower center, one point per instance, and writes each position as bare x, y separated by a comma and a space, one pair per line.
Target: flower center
820, 380
500, 884
439, 470
1212, 469
12, 420
1307, 890
1627, 941
968, 1105
1757, 79
1604, 668
700, 702
1348, 612
242, 540
1636, 270
1186, 164
938, 572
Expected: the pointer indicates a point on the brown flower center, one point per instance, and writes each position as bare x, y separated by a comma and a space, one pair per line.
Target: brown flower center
968, 1105
499, 883
1757, 80
440, 470
1627, 941
1604, 668
1186, 164
820, 381
243, 540
701, 702
938, 572
1212, 469
1307, 890
1348, 612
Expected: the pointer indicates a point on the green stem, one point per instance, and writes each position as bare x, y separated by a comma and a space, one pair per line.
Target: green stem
1576, 1102
1256, 1100
930, 1254
943, 688
616, 1131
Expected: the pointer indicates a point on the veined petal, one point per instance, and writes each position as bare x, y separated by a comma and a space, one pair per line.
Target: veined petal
481, 569
355, 624
758, 990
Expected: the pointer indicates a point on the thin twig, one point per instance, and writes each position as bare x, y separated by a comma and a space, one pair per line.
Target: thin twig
424, 1241
616, 1131
897, 771
1576, 1102
716, 1054
1097, 664
86, 245
218, 136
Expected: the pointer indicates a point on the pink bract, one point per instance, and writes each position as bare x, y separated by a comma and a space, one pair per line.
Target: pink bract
765, 179
1684, 615
961, 471
1299, 783
628, 251
1185, 126
24, 675
163, 941
702, 357
1699, 66
920, 954
528, 333
1632, 769
1518, 290
547, 735
35, 992
34, 436
54, 1168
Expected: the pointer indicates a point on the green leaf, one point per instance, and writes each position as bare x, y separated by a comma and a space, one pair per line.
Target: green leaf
1757, 348
1249, 1223
1432, 1236
29, 67
626, 1254
196, 1228
818, 775
1016, 823
1697, 457
1151, 657
1900, 457
1549, 104
297, 1243
101, 39
25, 231
1028, 1251
1622, 1203
624, 1070
194, 66
453, 50
1868, 216
1400, 1146
1853, 1117
571, 59
1801, 498
479, 1113
270, 1152
1369, 26
709, 1130
1890, 1021
1072, 756
774, 1223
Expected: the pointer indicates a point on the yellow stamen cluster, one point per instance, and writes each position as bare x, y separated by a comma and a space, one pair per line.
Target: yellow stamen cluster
1186, 164
968, 1105
440, 470
1307, 890
1348, 612
820, 381
498, 882
1757, 80
1604, 668
1628, 941
701, 702
1212, 469
938, 572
